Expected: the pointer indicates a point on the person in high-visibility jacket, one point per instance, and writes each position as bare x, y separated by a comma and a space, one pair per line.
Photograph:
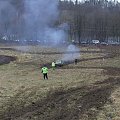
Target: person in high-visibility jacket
53, 65
45, 71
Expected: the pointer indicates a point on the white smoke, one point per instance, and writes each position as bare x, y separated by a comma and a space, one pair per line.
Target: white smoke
40, 13
54, 36
35, 21
7, 13
40, 16
72, 53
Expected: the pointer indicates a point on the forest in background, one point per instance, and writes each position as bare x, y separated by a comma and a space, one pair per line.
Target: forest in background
91, 19
85, 20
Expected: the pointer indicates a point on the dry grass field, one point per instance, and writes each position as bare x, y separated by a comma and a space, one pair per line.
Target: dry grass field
89, 90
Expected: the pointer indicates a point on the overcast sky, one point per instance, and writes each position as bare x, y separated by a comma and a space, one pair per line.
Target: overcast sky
108, 0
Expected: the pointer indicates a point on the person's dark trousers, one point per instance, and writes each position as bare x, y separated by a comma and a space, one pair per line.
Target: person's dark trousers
45, 76
75, 61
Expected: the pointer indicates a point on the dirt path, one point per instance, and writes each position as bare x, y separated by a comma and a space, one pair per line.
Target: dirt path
71, 104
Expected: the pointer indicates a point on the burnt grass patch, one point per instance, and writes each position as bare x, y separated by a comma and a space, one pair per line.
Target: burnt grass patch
75, 103
6, 59
112, 71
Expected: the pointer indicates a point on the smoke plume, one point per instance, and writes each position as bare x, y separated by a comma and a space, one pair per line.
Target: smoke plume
72, 53
32, 20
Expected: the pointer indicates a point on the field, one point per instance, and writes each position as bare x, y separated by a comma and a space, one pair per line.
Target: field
89, 90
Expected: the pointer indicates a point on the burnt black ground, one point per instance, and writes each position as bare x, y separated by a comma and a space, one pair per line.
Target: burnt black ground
6, 59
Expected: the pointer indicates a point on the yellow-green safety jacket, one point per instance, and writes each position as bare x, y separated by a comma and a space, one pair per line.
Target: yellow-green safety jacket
53, 64
44, 70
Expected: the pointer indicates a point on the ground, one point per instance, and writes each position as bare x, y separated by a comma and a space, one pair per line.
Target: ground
89, 90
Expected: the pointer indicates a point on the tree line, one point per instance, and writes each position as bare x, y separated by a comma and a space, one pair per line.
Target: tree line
91, 19
86, 20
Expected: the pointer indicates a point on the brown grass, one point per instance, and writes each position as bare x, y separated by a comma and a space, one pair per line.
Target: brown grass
69, 88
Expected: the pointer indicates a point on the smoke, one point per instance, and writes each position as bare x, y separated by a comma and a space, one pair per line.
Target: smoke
54, 36
32, 20
72, 53
41, 11
7, 13
40, 16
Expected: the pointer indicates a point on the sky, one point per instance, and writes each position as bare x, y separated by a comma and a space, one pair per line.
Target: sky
81, 0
